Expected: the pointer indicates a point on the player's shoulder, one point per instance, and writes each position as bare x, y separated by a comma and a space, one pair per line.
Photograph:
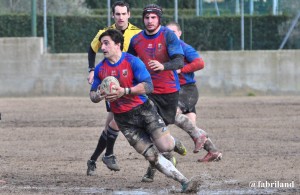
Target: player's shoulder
133, 60
133, 27
165, 29
105, 29
109, 27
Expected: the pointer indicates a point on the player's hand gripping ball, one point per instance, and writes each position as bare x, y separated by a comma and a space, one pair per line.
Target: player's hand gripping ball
108, 84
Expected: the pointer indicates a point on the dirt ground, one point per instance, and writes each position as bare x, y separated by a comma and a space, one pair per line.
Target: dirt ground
46, 142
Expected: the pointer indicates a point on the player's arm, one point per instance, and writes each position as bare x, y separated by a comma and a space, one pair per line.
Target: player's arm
175, 52
193, 59
176, 62
140, 89
91, 58
92, 50
145, 87
196, 64
96, 95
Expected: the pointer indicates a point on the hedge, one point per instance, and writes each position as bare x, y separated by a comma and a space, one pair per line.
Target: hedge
73, 34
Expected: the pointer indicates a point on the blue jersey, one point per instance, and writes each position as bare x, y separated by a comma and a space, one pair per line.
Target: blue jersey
160, 47
192, 63
129, 71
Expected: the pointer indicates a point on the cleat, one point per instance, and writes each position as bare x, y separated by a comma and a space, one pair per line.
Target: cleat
110, 162
149, 176
211, 156
199, 143
180, 148
91, 164
191, 186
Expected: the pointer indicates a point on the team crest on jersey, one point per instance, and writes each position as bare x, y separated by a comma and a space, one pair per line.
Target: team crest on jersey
159, 46
125, 72
150, 46
113, 73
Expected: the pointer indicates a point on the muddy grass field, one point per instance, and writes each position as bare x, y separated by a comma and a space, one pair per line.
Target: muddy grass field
46, 142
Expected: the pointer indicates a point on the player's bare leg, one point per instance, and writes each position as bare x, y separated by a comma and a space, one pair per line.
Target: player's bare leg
160, 163
199, 137
161, 143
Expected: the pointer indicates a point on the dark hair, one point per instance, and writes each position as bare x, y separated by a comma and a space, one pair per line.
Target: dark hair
175, 24
153, 8
120, 3
115, 35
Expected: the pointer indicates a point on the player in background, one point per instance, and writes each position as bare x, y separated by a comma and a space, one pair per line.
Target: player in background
121, 15
160, 50
134, 113
188, 98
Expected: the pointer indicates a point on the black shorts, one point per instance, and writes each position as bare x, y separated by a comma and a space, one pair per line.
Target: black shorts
166, 105
188, 98
138, 124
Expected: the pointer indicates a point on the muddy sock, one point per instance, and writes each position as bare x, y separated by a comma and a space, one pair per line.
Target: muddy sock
100, 146
166, 167
183, 122
209, 146
112, 135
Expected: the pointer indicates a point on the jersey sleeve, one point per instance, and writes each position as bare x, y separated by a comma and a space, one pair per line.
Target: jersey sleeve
173, 43
97, 80
141, 74
193, 61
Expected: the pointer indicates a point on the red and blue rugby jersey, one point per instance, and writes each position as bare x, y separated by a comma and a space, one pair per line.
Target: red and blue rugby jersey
160, 47
129, 71
192, 63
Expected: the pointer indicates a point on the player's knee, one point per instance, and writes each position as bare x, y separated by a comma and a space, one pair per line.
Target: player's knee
167, 145
114, 125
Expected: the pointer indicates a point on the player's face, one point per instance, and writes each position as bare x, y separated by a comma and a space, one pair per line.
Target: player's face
175, 30
121, 17
109, 48
151, 22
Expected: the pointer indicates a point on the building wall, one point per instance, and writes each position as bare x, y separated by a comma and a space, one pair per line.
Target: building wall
25, 70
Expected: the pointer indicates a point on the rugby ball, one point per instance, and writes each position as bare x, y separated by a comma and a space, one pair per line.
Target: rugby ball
108, 84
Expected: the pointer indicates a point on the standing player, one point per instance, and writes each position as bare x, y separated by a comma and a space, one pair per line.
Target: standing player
121, 14
160, 49
134, 113
188, 97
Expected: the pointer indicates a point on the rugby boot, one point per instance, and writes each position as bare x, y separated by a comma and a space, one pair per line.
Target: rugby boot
91, 170
110, 162
211, 156
149, 176
191, 186
199, 142
180, 148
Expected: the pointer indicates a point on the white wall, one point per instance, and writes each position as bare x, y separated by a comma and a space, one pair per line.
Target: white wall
26, 71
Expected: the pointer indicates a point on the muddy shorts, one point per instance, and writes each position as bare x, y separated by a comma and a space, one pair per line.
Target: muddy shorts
166, 105
188, 98
138, 124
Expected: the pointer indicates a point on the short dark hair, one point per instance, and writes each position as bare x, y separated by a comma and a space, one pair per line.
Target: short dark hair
115, 35
120, 3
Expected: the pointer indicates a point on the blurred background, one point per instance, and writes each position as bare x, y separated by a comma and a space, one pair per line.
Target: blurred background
208, 25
